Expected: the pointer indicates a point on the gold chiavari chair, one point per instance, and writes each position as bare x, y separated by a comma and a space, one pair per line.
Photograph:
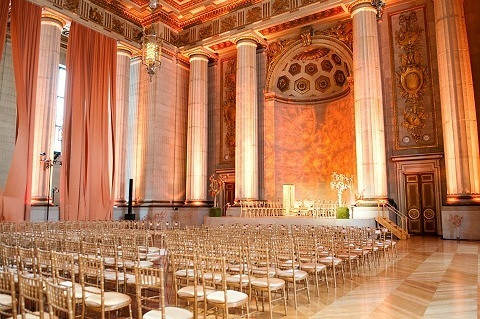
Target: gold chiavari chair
265, 286
150, 293
44, 264
60, 300
291, 272
213, 275
99, 300
31, 297
8, 299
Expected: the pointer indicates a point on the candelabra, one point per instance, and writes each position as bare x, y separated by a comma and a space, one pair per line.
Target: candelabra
48, 164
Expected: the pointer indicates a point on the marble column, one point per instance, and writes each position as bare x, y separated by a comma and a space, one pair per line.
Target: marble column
246, 124
120, 188
369, 121
44, 128
197, 130
459, 120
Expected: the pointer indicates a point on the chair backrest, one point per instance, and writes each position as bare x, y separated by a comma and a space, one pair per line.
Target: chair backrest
31, 296
44, 263
150, 280
27, 260
63, 267
7, 287
60, 301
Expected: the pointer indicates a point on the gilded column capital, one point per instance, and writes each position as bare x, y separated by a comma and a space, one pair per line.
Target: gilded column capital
51, 18
370, 5
249, 37
199, 53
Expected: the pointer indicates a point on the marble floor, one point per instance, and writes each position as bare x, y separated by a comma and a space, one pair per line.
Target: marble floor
431, 278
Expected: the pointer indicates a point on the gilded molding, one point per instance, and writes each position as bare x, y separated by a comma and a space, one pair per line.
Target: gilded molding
228, 109
414, 109
342, 31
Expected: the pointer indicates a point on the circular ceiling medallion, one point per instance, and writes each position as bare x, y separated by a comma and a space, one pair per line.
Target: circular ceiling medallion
413, 213
429, 213
406, 139
426, 137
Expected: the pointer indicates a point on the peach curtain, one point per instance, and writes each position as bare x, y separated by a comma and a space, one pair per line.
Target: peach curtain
86, 181
25, 27
3, 24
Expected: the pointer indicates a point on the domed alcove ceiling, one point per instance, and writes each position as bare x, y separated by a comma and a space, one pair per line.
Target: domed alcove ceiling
315, 73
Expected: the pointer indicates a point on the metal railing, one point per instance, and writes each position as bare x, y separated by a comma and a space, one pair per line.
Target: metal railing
403, 224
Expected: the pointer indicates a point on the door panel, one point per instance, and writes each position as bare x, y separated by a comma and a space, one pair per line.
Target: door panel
421, 212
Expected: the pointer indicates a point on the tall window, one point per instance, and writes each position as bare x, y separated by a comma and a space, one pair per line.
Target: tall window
57, 144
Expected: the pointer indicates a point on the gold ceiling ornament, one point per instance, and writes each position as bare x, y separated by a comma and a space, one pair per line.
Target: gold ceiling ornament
311, 54
342, 31
306, 36
412, 75
151, 50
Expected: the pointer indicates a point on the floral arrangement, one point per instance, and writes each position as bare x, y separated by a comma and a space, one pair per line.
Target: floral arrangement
341, 183
216, 185
456, 220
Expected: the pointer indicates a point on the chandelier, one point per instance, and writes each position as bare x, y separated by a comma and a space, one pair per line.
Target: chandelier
151, 50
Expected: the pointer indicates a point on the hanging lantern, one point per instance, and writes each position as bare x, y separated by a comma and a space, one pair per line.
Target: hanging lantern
152, 50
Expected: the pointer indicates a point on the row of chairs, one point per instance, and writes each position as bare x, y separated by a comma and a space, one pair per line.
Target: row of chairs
261, 209
43, 298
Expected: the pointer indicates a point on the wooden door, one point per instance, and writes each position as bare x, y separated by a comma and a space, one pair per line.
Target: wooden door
229, 193
421, 210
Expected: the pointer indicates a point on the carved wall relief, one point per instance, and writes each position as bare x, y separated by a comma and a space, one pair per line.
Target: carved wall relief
414, 110
228, 110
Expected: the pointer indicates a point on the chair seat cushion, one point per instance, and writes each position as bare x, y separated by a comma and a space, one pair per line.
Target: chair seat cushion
275, 283
170, 313
121, 276
188, 291
216, 276
141, 264
5, 300
184, 272
329, 260
263, 271
313, 266
233, 296
112, 299
77, 289
36, 315
299, 274
235, 279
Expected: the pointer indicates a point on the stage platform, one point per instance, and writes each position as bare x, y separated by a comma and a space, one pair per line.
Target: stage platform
288, 220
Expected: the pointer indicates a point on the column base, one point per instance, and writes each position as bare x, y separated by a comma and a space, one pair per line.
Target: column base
198, 203
371, 202
463, 199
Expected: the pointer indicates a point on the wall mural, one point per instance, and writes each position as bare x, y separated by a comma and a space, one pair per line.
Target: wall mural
311, 142
414, 109
228, 110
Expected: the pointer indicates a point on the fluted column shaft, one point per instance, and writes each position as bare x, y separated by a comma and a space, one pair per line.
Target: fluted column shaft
197, 133
48, 68
369, 122
246, 124
459, 120
121, 124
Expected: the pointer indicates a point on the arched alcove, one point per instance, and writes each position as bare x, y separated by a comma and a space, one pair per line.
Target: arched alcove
309, 119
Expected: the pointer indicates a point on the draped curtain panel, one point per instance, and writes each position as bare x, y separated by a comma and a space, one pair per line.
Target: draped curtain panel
87, 157
25, 24
3, 24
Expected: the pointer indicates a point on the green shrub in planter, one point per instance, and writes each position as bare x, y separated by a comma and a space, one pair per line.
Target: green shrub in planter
215, 212
342, 213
